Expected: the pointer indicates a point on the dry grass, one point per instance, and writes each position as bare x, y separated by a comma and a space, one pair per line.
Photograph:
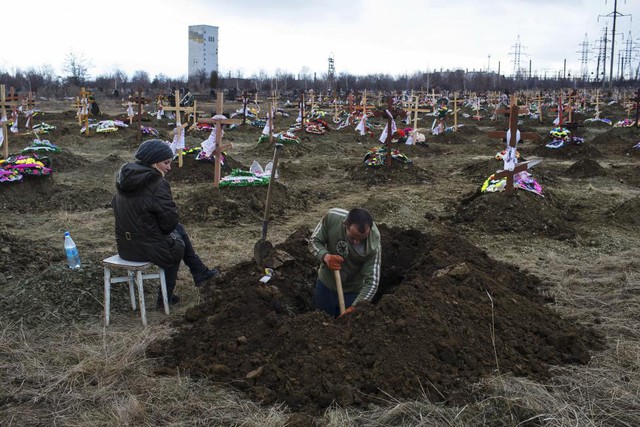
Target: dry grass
101, 377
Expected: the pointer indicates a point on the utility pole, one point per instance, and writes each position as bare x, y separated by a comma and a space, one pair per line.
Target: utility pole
615, 14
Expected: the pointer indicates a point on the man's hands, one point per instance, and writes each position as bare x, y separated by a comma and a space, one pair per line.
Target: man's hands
348, 310
334, 262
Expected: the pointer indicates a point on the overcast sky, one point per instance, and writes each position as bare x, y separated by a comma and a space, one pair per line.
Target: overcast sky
364, 36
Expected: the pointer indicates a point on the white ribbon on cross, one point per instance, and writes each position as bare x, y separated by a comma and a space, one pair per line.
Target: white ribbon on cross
510, 159
1, 136
557, 120
29, 116
14, 126
84, 107
385, 132
178, 139
267, 127
299, 119
209, 144
362, 126
130, 109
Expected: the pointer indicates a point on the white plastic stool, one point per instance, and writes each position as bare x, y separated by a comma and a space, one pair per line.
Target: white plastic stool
134, 274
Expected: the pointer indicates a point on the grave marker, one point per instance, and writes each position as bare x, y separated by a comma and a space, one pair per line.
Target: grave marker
83, 111
140, 101
510, 170
390, 113
178, 109
5, 104
218, 120
28, 107
414, 109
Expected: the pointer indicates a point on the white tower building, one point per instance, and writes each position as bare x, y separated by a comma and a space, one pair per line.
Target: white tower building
203, 49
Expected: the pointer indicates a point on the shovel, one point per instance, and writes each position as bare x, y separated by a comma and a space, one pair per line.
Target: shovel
336, 275
263, 248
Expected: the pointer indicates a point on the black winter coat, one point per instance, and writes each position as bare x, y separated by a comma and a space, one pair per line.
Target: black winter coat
146, 217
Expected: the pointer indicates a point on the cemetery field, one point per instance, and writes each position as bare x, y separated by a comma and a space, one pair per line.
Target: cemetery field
493, 309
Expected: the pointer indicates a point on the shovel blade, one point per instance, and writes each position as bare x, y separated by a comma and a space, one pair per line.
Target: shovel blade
262, 252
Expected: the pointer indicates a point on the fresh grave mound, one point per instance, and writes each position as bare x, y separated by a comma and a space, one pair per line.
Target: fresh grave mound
585, 168
264, 151
396, 173
429, 331
41, 192
571, 150
194, 171
66, 161
450, 138
626, 213
239, 205
40, 289
478, 171
521, 211
617, 141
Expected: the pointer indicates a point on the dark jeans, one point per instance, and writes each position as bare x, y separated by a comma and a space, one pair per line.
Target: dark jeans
191, 260
326, 299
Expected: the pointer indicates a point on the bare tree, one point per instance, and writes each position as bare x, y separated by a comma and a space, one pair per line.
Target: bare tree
140, 79
77, 68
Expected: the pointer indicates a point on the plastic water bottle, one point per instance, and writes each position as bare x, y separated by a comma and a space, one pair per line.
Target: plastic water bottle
73, 259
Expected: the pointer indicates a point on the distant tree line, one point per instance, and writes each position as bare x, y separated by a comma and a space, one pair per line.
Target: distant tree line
44, 82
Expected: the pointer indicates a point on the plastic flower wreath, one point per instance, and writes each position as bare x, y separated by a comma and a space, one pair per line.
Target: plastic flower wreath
442, 111
560, 134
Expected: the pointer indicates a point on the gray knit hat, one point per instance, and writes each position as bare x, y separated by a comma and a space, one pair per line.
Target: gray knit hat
153, 151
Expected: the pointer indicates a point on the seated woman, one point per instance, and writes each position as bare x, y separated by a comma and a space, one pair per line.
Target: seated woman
147, 221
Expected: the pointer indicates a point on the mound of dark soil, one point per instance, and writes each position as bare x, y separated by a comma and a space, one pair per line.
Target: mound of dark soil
445, 315
521, 212
585, 168
67, 161
396, 173
241, 205
585, 150
627, 213
195, 171
41, 192
41, 289
450, 138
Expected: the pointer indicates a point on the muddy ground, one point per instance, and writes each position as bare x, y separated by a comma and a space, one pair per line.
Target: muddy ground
469, 279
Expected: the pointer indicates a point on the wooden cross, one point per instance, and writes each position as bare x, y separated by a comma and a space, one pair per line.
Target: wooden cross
570, 103
159, 105
597, 104
414, 109
218, 122
245, 101
5, 104
140, 101
528, 136
350, 104
513, 143
178, 109
455, 112
83, 111
28, 107
560, 110
393, 114
363, 105
312, 101
301, 106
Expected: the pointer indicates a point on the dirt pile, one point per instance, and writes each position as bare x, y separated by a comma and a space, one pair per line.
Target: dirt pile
521, 212
585, 168
445, 315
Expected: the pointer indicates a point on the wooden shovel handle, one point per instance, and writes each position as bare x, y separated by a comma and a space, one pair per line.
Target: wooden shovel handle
267, 204
336, 275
